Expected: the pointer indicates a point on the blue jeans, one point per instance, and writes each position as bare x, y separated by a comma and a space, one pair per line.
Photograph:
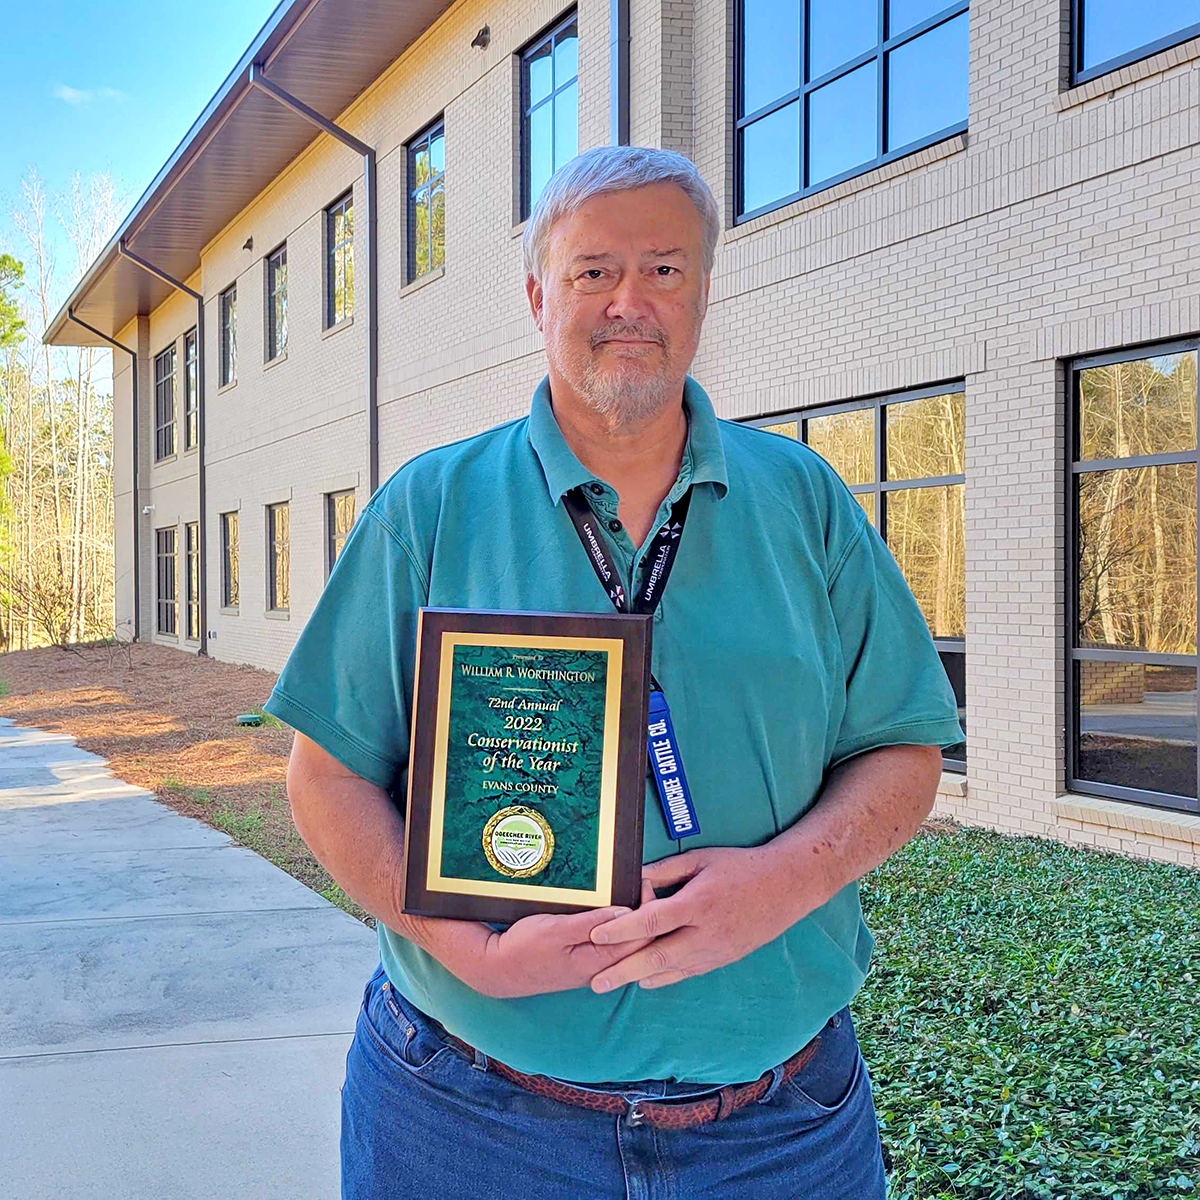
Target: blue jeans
420, 1119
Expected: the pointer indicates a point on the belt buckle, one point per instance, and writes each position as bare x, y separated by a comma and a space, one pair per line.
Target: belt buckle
636, 1114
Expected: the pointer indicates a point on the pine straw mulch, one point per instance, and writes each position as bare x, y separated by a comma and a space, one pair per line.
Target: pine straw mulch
165, 720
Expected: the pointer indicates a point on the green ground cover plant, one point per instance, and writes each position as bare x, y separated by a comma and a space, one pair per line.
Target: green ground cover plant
1032, 1021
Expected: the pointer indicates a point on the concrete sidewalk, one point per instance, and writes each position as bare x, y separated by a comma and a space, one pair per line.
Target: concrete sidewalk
174, 1010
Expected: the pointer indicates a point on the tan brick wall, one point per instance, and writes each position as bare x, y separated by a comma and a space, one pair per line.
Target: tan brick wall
1062, 223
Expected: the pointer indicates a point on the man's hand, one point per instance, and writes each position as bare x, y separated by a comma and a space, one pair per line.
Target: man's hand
542, 953
733, 902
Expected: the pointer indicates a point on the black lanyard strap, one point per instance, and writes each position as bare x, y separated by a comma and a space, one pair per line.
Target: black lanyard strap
663, 551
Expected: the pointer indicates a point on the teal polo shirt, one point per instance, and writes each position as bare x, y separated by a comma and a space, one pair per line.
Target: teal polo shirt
786, 641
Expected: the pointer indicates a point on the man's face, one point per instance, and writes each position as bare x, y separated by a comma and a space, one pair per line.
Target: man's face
622, 300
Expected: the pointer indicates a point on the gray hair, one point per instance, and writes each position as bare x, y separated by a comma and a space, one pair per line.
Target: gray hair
614, 169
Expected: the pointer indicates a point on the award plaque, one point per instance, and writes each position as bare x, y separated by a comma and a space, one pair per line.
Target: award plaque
527, 768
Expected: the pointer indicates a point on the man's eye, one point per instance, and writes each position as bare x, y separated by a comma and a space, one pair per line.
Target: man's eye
664, 267
593, 271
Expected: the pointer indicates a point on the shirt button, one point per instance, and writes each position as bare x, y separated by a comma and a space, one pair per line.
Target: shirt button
615, 526
597, 490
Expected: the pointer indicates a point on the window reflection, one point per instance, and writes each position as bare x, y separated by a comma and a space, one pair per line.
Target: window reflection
926, 533
1137, 725
846, 440
1115, 28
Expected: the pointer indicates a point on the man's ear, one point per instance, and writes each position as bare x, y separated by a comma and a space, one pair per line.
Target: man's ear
533, 290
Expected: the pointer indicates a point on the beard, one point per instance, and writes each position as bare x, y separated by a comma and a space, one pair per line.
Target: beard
626, 388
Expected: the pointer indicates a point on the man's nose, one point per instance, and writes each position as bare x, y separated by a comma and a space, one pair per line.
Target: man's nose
630, 300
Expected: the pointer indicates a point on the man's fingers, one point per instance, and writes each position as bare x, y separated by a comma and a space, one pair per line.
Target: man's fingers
647, 892
571, 929
667, 977
671, 870
653, 960
650, 921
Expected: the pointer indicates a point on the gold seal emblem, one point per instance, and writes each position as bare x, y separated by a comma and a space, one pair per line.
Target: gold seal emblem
518, 841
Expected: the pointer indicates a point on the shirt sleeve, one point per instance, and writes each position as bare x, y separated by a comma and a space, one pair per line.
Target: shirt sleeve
897, 690
348, 680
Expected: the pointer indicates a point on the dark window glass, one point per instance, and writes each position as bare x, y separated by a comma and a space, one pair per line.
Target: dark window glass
918, 506
427, 202
278, 571
192, 593
1116, 32
191, 391
229, 335
229, 560
549, 108
165, 570
926, 87
806, 121
339, 260
339, 517
1133, 540
164, 403
277, 331
1137, 726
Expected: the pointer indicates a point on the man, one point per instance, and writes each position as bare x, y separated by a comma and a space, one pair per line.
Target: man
702, 1044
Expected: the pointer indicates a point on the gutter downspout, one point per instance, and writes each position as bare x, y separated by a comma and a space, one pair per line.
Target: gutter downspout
137, 590
202, 582
259, 80
618, 85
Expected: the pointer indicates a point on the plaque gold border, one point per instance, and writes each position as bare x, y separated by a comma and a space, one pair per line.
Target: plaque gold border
602, 894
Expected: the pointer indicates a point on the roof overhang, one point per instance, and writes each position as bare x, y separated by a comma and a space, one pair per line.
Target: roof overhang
324, 52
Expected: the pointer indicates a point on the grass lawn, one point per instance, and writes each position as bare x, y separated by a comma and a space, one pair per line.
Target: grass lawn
1032, 1021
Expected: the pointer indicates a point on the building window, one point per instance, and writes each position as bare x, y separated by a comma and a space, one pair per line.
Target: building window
549, 108
229, 336
165, 561
164, 403
903, 458
191, 392
880, 79
427, 202
278, 598
1131, 546
191, 541
1113, 33
339, 516
276, 339
229, 560
339, 260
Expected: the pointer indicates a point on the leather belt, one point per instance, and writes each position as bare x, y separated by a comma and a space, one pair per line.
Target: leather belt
665, 1114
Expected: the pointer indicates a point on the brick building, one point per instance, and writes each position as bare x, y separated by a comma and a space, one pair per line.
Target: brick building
958, 259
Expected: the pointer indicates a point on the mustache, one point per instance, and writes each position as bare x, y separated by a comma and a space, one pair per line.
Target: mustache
634, 332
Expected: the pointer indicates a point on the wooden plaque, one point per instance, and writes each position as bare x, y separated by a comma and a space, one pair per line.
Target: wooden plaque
527, 769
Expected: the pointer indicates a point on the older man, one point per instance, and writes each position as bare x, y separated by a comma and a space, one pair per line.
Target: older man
702, 1044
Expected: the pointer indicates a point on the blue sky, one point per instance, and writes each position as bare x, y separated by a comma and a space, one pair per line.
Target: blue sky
97, 87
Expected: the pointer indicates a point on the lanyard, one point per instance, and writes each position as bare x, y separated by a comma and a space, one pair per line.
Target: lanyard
666, 763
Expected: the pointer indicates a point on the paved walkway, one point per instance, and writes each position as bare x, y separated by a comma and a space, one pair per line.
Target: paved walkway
174, 1010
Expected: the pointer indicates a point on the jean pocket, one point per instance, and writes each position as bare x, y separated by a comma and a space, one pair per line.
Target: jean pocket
401, 1031
826, 1084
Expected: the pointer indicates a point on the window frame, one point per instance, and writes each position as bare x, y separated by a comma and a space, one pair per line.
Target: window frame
880, 487
230, 551
164, 396
344, 203
1073, 368
526, 53
191, 390
331, 538
424, 138
275, 346
227, 334
191, 552
166, 607
273, 544
881, 51
1080, 74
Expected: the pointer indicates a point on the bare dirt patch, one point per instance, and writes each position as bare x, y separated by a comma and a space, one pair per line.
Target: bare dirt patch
165, 720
